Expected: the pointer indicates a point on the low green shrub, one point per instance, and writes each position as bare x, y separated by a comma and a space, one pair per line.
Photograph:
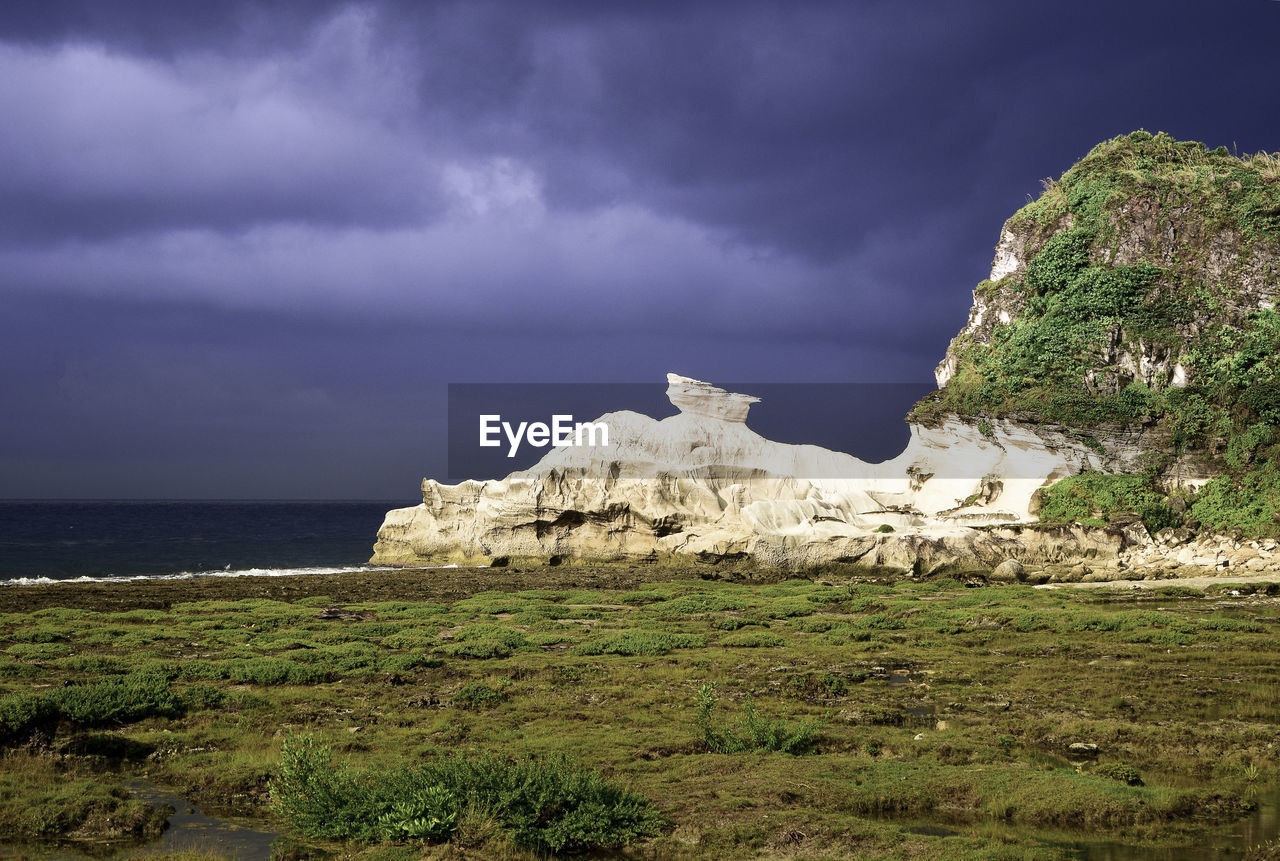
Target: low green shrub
1225, 623
733, 623
347, 659
880, 622
815, 686
697, 603
546, 805
117, 700
484, 641
477, 695
42, 634
274, 671
752, 640
23, 714
94, 664
38, 651
753, 732
417, 639
639, 643
789, 608
203, 697
198, 669
19, 670
646, 596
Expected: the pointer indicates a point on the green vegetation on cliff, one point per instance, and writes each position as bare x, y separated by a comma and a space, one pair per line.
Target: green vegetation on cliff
1142, 297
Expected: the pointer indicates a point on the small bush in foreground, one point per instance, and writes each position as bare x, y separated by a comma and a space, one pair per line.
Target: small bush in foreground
754, 732
548, 805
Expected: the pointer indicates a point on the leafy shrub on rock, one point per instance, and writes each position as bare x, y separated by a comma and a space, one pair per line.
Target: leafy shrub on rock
1089, 497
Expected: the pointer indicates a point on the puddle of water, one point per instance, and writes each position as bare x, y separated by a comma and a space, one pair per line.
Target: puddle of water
899, 680
925, 716
192, 829
1225, 843
1228, 842
933, 831
189, 829
917, 714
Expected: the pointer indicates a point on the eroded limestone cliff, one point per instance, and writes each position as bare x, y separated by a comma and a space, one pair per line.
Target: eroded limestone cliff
703, 484
1125, 341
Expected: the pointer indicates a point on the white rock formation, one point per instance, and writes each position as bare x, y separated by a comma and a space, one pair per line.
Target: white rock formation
703, 483
1007, 259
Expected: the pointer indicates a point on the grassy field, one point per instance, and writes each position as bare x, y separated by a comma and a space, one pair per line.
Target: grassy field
515, 714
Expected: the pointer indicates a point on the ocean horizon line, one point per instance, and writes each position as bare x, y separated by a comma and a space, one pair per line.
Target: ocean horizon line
207, 499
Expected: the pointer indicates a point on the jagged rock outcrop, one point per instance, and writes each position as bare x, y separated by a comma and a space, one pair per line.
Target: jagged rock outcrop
703, 484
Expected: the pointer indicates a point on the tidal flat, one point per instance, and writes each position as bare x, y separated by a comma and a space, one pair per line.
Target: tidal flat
644, 712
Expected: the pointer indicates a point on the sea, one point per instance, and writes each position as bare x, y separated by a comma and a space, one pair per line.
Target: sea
46, 541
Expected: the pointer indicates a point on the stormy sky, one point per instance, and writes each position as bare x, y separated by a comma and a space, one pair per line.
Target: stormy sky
245, 247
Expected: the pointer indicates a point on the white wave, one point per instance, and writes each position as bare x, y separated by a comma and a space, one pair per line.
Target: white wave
191, 575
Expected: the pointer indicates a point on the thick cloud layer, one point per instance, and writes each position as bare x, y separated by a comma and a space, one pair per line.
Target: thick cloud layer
243, 248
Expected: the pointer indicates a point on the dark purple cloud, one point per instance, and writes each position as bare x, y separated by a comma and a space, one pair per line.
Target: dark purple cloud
244, 247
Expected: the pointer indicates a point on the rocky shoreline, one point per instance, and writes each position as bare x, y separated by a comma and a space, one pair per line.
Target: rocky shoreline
1175, 553
1040, 553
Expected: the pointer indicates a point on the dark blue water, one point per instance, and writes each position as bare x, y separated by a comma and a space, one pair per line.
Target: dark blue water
63, 540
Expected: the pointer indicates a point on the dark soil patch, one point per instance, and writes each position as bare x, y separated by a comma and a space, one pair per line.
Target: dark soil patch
408, 584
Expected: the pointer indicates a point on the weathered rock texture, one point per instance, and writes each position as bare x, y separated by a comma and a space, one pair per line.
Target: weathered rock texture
703, 484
